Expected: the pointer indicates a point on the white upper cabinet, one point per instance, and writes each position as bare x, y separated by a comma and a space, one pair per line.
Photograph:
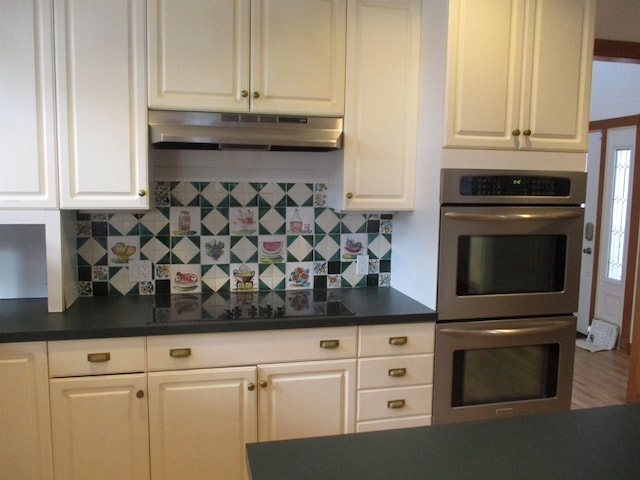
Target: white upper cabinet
102, 109
268, 56
519, 74
381, 108
28, 175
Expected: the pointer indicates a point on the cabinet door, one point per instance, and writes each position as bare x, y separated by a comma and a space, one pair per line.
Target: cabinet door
28, 175
306, 399
100, 427
102, 103
200, 421
199, 54
381, 110
25, 431
298, 56
484, 69
557, 75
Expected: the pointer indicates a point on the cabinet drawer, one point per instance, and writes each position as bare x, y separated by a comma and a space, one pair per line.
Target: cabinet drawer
68, 358
392, 423
173, 352
394, 402
395, 371
396, 339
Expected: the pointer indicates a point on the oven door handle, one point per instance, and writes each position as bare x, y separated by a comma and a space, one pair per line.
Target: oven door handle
563, 215
494, 332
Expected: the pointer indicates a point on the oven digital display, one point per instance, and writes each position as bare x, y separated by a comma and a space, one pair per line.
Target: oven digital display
509, 185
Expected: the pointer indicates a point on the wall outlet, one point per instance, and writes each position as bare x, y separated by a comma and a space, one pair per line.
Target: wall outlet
140, 271
362, 264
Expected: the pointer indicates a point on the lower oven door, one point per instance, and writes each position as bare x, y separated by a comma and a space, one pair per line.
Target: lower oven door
491, 368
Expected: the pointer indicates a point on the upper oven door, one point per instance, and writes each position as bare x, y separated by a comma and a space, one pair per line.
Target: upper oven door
508, 261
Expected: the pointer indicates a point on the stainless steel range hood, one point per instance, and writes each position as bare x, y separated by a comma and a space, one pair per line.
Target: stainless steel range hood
243, 131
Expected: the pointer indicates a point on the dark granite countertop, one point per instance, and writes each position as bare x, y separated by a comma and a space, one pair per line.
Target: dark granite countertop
103, 317
600, 443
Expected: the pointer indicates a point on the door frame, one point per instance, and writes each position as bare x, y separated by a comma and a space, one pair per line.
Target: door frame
627, 52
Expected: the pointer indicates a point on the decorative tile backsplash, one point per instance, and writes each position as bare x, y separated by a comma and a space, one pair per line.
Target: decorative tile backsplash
215, 236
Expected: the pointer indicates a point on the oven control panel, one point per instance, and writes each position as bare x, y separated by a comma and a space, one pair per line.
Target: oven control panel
508, 185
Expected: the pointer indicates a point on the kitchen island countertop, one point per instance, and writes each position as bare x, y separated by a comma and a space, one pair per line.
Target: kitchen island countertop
105, 317
599, 443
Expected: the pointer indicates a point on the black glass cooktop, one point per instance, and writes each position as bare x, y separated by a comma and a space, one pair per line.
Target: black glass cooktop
247, 305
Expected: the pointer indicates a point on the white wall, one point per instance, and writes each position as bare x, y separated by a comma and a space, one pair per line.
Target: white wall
414, 261
614, 89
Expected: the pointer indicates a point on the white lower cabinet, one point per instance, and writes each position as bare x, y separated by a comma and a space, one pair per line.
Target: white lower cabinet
25, 431
100, 427
200, 421
99, 413
306, 399
395, 376
175, 407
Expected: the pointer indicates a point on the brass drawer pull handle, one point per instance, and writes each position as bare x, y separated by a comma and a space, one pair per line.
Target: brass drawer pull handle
99, 357
396, 403
398, 341
397, 372
329, 343
180, 352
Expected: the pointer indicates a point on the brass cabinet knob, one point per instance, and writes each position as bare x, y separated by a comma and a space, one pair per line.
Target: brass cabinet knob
251, 387
349, 195
263, 384
244, 93
140, 394
142, 192
527, 133
515, 132
256, 94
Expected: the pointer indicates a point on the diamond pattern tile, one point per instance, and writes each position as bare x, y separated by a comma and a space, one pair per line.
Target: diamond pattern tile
92, 252
327, 247
272, 277
300, 194
209, 229
244, 249
379, 246
272, 195
215, 278
327, 221
214, 194
272, 221
124, 224
184, 250
243, 194
119, 282
215, 222
155, 222
299, 248
185, 194
354, 223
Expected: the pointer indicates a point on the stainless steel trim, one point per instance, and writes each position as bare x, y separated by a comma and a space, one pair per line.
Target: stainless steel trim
499, 217
210, 130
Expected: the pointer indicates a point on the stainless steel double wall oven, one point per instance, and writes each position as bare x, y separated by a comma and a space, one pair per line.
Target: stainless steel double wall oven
508, 286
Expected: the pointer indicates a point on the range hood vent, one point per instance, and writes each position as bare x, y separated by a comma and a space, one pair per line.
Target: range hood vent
243, 131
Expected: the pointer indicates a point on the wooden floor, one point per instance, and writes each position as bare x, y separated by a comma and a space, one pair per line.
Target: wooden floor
599, 379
